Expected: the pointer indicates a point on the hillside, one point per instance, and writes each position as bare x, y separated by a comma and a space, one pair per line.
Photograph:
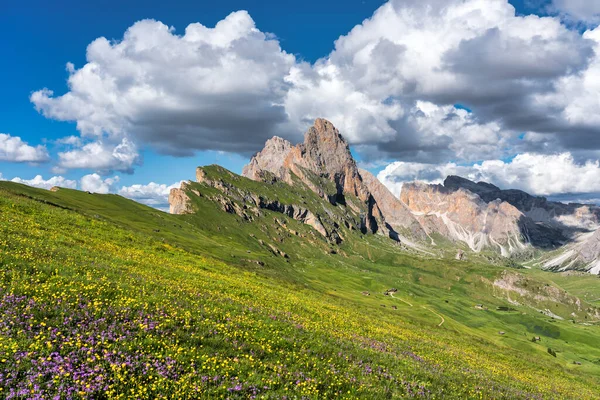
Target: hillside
104, 297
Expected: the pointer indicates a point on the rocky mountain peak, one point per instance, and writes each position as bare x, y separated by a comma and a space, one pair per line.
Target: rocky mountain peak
454, 182
323, 158
324, 154
270, 158
324, 135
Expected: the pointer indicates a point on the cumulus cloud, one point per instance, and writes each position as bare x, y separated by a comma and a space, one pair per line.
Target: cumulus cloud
397, 85
13, 148
96, 184
322, 92
577, 101
42, 183
153, 194
475, 53
215, 88
69, 141
102, 156
538, 174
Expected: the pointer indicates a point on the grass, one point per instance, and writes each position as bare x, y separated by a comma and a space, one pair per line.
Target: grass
104, 298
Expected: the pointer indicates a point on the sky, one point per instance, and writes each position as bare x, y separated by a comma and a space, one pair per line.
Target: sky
129, 97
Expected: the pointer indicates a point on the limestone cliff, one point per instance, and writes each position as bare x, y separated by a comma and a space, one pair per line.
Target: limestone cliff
463, 216
570, 218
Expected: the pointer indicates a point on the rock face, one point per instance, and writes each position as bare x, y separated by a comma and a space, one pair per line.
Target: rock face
396, 213
326, 153
582, 255
567, 217
463, 216
484, 216
179, 202
271, 159
323, 163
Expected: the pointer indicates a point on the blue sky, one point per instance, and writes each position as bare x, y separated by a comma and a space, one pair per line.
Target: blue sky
40, 37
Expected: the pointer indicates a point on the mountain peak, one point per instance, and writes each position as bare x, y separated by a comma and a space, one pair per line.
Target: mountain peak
457, 182
323, 130
322, 159
270, 158
324, 153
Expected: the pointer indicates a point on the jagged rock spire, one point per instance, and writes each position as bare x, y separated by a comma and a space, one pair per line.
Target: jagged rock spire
325, 154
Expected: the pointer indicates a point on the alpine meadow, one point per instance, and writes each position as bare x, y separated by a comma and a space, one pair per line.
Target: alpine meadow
415, 214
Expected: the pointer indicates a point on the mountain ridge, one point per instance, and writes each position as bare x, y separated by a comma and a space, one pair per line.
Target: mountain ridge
478, 215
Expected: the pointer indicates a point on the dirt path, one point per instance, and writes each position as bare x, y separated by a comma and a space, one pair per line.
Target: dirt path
404, 301
443, 320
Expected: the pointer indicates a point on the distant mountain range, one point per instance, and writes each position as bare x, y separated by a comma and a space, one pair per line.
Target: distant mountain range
460, 214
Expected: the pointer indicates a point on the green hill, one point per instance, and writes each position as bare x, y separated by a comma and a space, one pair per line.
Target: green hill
102, 297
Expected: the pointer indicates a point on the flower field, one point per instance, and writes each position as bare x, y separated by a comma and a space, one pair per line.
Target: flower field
93, 310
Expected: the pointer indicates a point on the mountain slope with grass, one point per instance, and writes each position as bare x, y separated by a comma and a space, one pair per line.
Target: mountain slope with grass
102, 297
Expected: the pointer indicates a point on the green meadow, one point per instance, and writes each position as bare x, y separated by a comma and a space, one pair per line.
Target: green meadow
102, 297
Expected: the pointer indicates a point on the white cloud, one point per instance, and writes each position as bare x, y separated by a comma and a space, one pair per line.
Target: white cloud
95, 184
577, 98
153, 194
467, 138
69, 140
543, 174
392, 86
412, 55
42, 183
215, 88
12, 148
538, 174
101, 156
320, 92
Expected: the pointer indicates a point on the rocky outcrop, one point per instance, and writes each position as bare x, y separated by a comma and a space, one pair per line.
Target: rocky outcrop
397, 214
323, 162
271, 159
179, 202
246, 204
524, 290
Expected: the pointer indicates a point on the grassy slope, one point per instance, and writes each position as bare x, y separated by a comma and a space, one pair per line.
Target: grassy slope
196, 314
